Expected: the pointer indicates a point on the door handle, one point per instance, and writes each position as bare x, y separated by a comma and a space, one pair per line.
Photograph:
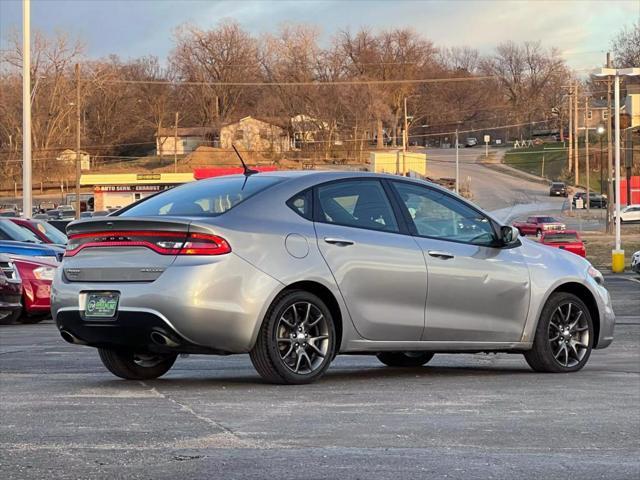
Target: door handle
439, 254
343, 242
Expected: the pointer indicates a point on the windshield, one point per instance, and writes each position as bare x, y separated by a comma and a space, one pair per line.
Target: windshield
546, 220
560, 237
11, 231
51, 232
204, 198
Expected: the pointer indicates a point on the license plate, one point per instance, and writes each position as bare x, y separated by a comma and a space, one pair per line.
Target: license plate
101, 304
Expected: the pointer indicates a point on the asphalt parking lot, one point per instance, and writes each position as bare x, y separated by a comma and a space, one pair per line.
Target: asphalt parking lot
462, 416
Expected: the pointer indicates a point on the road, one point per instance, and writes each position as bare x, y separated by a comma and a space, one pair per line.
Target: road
492, 190
464, 416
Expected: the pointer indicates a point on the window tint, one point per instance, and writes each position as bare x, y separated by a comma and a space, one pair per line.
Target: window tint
439, 215
357, 203
301, 204
205, 198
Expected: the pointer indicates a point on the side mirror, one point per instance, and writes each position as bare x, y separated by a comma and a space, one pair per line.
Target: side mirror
509, 235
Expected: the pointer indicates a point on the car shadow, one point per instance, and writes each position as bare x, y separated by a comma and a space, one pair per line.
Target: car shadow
338, 376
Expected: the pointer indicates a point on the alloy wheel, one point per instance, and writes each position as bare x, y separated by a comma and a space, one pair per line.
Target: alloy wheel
302, 336
568, 334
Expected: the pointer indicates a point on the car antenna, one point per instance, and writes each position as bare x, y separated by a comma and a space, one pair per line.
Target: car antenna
247, 171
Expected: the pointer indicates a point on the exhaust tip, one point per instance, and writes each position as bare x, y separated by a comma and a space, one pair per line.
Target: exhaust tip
161, 339
68, 337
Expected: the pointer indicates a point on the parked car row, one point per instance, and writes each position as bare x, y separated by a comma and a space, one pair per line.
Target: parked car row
31, 251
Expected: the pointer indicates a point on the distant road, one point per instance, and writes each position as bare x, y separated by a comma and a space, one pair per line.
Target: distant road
492, 190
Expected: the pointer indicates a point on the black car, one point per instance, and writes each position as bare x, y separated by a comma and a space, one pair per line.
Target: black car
595, 200
10, 291
558, 189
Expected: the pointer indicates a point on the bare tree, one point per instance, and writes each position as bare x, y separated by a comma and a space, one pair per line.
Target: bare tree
626, 47
226, 54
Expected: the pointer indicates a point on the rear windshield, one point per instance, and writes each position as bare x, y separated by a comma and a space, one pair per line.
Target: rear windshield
560, 237
557, 184
205, 198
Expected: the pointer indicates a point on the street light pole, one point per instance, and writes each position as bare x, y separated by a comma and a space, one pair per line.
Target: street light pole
616, 94
617, 255
78, 125
27, 209
600, 132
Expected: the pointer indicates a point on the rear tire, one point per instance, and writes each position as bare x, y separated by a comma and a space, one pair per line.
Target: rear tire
564, 336
297, 340
405, 359
136, 366
538, 233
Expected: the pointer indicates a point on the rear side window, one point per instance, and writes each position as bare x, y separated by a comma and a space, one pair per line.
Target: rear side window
301, 204
356, 203
205, 198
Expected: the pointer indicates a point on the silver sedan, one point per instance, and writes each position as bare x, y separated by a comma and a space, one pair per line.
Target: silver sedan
297, 267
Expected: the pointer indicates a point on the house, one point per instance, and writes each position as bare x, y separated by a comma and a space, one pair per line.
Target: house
253, 134
186, 140
68, 159
306, 129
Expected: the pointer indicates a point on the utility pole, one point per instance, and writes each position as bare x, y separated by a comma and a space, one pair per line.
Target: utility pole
586, 145
78, 165
27, 209
570, 150
457, 164
175, 145
405, 140
609, 154
617, 166
576, 152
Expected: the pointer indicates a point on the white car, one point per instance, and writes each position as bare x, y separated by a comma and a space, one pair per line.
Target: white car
630, 213
635, 262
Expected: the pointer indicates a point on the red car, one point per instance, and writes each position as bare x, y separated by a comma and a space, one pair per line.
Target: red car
568, 240
37, 275
538, 224
43, 230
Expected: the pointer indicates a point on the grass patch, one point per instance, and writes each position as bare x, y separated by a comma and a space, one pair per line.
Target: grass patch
599, 248
555, 163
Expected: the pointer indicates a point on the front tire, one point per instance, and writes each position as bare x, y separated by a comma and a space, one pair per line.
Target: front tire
136, 366
564, 336
297, 340
405, 359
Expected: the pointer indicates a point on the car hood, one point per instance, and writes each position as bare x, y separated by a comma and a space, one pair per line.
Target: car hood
548, 257
10, 246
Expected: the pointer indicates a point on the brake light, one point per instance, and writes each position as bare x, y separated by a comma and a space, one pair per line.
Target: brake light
164, 243
204, 244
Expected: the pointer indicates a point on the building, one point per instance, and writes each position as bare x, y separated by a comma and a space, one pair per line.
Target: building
121, 189
253, 134
307, 129
186, 141
67, 158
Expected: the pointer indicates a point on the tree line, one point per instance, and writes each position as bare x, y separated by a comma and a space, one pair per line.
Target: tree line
355, 88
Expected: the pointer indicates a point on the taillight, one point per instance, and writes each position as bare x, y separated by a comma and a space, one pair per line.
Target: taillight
164, 243
204, 244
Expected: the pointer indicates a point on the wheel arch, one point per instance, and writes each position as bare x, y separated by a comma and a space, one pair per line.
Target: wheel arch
327, 297
584, 294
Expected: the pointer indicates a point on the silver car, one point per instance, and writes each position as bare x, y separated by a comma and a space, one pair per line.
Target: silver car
297, 267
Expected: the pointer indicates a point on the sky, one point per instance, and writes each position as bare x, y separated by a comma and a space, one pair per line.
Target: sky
581, 29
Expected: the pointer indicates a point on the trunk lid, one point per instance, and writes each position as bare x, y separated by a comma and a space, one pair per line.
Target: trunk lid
123, 249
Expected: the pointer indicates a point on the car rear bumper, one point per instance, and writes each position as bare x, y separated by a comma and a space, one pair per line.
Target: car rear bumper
214, 304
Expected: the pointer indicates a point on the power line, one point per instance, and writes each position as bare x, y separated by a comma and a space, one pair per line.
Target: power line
312, 83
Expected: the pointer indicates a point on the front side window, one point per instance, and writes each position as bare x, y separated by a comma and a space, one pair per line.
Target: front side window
440, 215
205, 198
356, 203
